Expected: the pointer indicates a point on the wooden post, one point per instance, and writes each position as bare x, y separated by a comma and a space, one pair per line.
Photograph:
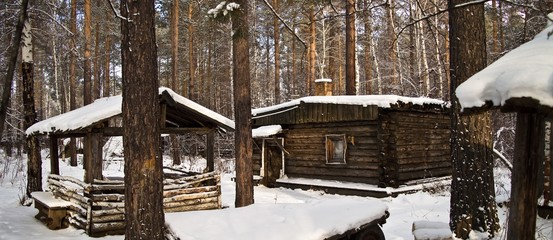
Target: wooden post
210, 151
524, 180
54, 156
92, 157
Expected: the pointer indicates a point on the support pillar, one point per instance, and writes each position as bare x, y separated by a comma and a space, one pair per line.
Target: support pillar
93, 156
54, 156
524, 180
210, 155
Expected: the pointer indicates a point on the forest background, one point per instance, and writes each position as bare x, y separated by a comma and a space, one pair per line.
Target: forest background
401, 48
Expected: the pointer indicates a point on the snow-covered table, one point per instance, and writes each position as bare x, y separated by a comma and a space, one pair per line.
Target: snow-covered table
305, 221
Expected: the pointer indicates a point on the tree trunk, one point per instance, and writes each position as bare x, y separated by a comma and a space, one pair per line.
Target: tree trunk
73, 77
175, 146
106, 88
367, 53
472, 187
242, 105
87, 87
34, 161
276, 36
97, 82
191, 56
12, 60
144, 215
350, 48
312, 52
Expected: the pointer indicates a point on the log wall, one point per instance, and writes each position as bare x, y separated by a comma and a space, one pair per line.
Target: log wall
421, 144
99, 208
307, 152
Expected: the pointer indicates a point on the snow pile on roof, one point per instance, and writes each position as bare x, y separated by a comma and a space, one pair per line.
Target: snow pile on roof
104, 108
277, 221
266, 131
79, 118
198, 108
383, 101
526, 71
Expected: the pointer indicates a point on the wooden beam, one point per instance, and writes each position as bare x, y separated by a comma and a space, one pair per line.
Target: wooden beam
92, 157
181, 131
210, 155
54, 156
524, 179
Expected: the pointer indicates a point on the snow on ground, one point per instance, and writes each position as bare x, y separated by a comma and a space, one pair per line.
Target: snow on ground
18, 222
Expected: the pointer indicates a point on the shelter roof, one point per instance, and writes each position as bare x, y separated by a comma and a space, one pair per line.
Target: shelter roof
522, 78
181, 112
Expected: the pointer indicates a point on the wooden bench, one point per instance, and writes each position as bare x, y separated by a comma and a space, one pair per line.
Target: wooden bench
51, 209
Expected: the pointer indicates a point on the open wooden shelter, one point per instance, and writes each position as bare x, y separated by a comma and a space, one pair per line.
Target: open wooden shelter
97, 203
521, 82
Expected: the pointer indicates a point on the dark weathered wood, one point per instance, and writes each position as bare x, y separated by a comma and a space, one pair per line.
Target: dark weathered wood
524, 180
93, 156
210, 151
54, 156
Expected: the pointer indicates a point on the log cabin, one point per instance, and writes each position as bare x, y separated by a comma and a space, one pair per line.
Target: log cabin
339, 143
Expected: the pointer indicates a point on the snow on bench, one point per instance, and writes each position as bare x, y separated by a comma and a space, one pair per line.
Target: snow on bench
428, 230
51, 209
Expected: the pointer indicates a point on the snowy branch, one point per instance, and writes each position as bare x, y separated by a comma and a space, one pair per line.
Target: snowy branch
117, 14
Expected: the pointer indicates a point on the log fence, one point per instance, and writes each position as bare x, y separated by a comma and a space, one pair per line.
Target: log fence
99, 208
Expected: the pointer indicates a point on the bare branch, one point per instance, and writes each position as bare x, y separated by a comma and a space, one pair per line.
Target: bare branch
117, 14
285, 24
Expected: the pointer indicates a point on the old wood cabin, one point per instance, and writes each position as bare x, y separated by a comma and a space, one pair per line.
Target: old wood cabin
359, 145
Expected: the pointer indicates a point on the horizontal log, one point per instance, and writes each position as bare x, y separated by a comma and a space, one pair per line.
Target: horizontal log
109, 204
406, 176
183, 197
204, 206
105, 212
424, 160
69, 179
109, 218
107, 182
105, 197
332, 172
53, 183
171, 193
109, 226
108, 187
196, 183
190, 202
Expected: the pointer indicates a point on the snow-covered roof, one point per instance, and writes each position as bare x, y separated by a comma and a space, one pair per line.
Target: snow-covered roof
525, 72
382, 101
105, 108
266, 131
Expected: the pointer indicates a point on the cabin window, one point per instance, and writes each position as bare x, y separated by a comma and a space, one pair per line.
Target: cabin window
336, 149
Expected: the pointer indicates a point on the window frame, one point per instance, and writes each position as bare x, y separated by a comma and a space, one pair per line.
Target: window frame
330, 139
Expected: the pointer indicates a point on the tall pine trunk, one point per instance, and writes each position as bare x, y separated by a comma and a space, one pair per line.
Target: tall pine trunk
350, 48
175, 145
472, 187
73, 78
87, 88
144, 217
276, 36
242, 105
